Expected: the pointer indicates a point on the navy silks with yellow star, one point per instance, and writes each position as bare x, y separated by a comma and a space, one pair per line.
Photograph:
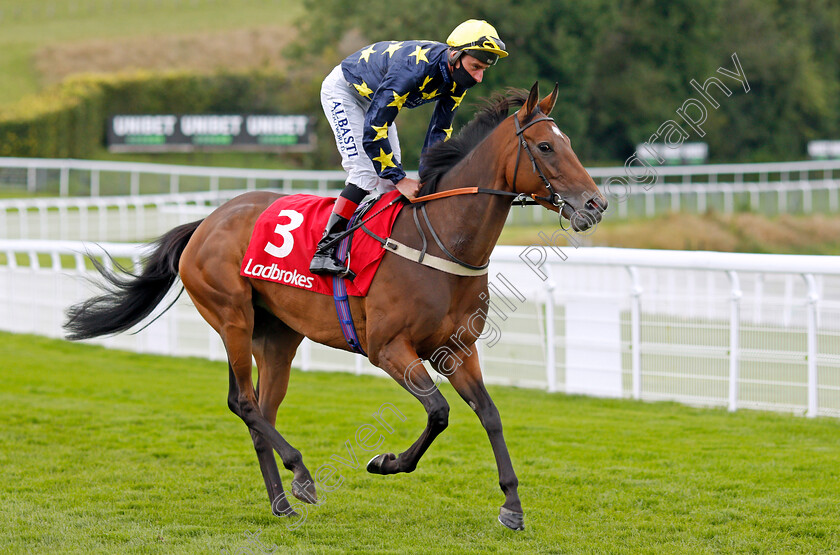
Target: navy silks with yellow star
396, 74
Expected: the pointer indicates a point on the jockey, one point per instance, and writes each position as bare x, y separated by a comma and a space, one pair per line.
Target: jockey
362, 97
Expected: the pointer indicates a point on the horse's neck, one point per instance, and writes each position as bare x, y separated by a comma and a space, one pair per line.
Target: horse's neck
470, 225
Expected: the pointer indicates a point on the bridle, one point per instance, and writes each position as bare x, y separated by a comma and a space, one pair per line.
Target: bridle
554, 198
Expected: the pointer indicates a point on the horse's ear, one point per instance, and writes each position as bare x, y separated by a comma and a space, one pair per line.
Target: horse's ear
547, 104
527, 111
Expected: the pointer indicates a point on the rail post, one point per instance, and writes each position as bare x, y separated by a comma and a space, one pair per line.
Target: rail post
94, 183
31, 179
64, 182
636, 331
813, 381
134, 186
734, 338
550, 356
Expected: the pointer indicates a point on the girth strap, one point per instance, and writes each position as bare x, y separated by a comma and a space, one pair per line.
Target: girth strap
342, 302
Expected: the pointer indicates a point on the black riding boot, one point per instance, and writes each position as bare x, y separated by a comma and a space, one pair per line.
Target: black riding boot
325, 261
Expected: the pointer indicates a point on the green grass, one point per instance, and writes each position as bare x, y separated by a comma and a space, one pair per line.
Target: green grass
27, 25
106, 452
815, 233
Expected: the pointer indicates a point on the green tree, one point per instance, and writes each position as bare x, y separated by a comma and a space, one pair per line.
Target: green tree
624, 66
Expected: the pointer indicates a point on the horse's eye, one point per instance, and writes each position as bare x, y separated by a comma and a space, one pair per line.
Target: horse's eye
544, 147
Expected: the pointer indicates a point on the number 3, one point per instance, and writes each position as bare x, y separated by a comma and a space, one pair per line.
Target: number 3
295, 219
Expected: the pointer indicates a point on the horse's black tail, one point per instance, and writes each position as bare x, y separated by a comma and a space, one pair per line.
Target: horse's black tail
130, 298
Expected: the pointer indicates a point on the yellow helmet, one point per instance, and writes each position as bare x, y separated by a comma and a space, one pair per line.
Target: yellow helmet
479, 39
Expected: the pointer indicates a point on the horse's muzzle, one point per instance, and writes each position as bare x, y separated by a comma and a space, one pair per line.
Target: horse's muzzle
586, 217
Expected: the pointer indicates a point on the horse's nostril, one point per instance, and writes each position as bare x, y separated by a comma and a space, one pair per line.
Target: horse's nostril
596, 203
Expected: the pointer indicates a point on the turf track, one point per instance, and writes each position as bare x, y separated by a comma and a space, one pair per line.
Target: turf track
107, 452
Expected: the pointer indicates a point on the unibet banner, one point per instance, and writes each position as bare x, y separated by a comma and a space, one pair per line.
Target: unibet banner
163, 133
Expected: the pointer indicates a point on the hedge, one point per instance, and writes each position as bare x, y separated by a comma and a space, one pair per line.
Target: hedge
69, 119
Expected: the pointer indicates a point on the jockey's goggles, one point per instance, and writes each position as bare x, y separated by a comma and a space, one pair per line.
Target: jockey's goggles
486, 49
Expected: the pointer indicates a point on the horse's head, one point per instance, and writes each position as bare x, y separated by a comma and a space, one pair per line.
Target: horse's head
546, 167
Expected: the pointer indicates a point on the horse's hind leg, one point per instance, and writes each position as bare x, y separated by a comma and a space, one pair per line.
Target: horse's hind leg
224, 300
242, 401
274, 346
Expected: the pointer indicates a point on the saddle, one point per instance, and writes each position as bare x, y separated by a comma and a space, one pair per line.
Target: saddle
286, 234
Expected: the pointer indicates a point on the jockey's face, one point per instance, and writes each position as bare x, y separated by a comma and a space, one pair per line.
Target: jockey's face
473, 66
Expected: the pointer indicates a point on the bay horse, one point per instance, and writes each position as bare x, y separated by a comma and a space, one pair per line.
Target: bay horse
410, 311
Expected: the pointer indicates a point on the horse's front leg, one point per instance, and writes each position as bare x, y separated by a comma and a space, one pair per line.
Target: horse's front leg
401, 362
467, 381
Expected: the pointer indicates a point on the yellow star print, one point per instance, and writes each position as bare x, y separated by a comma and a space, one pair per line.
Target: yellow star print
458, 100
448, 133
393, 47
427, 96
453, 87
366, 53
419, 54
381, 132
399, 100
363, 89
385, 160
426, 81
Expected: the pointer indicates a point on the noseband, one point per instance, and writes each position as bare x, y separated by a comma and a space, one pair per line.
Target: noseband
553, 197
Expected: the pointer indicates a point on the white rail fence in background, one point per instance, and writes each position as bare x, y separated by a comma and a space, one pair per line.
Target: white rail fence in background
770, 188
730, 330
773, 188
106, 218
70, 177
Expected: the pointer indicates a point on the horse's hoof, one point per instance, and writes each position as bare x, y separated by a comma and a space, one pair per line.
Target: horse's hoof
512, 520
289, 512
374, 466
306, 493
281, 507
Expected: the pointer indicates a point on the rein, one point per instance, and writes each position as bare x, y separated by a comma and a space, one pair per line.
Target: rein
554, 198
521, 199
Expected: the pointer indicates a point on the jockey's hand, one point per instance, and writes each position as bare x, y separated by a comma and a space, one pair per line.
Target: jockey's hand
408, 187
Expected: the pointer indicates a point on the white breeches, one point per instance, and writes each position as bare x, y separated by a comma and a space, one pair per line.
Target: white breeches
345, 111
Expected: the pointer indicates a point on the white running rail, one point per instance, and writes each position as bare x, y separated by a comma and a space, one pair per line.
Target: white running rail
730, 330
105, 218
772, 188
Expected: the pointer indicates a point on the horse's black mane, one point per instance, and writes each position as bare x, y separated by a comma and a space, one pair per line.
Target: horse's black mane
442, 157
